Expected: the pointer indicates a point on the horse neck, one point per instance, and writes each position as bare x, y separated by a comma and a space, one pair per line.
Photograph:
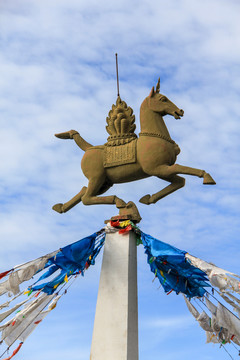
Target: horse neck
152, 122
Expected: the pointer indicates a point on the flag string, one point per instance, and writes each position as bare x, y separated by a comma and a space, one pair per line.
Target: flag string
57, 293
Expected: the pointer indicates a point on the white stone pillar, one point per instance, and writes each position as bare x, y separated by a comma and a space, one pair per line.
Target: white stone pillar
115, 333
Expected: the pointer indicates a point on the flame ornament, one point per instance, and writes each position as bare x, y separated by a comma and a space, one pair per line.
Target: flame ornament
120, 124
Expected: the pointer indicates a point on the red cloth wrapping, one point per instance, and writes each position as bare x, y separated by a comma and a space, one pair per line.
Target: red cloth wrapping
127, 229
15, 351
4, 273
114, 223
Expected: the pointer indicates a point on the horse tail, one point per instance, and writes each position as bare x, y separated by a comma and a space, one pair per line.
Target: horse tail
83, 144
73, 134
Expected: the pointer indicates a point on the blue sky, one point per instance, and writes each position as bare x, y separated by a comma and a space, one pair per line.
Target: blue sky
58, 73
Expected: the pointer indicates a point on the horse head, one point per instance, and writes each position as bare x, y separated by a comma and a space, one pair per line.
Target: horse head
161, 104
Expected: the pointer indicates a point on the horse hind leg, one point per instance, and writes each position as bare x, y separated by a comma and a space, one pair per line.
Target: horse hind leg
177, 182
62, 208
96, 187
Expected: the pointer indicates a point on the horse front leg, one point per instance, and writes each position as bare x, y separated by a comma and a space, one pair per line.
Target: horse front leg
177, 182
180, 169
169, 173
166, 171
62, 208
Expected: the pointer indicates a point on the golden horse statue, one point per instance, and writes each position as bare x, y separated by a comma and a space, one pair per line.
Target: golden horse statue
153, 153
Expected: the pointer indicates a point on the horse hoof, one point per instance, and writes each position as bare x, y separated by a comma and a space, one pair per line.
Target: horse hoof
208, 180
120, 203
58, 208
145, 199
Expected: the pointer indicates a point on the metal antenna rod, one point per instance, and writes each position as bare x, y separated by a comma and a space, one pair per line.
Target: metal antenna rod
117, 74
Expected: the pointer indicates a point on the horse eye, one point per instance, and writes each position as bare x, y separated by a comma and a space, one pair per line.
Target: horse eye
164, 99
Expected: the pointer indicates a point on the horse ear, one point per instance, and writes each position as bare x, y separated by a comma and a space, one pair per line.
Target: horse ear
151, 92
158, 86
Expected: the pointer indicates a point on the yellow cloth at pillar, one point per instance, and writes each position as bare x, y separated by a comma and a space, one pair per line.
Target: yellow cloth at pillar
123, 224
66, 278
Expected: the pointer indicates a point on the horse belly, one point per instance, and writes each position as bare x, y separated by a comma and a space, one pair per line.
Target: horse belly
153, 152
125, 173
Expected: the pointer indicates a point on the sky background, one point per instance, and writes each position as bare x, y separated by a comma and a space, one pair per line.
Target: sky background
57, 60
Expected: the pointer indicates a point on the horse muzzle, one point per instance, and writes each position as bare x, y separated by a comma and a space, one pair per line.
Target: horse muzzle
178, 114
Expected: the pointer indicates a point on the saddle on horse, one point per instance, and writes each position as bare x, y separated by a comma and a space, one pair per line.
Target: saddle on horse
121, 146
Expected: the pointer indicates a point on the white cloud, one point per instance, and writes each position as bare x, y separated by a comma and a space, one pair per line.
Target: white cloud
58, 72
169, 323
